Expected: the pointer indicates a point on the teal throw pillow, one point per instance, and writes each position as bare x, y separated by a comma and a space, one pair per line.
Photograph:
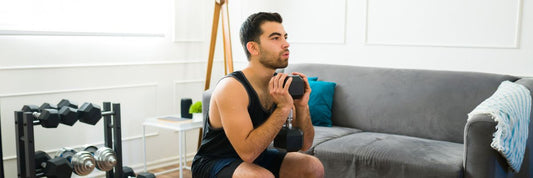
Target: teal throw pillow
320, 102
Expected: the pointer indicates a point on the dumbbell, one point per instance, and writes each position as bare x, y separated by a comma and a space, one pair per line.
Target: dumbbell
289, 138
68, 112
88, 113
145, 175
51, 168
82, 162
104, 156
48, 118
297, 87
127, 172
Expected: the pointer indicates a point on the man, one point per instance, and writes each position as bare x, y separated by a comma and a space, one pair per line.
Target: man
249, 107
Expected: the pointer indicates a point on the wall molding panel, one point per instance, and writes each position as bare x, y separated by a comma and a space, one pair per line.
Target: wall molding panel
79, 90
67, 33
443, 24
331, 15
60, 66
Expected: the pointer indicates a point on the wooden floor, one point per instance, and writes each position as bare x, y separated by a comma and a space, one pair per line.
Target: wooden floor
175, 174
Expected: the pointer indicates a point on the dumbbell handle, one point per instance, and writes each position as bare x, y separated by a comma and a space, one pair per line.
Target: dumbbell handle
40, 171
105, 113
289, 120
36, 120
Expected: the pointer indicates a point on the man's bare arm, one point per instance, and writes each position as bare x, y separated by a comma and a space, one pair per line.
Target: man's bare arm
232, 107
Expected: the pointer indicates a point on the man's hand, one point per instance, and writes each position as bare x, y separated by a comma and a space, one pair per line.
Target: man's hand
279, 92
303, 102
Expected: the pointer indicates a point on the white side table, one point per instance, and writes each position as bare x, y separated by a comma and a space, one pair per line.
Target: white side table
181, 127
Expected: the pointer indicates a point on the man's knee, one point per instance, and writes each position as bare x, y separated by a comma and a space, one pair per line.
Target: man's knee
314, 167
251, 170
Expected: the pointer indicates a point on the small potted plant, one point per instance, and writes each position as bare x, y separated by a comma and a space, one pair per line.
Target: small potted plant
196, 110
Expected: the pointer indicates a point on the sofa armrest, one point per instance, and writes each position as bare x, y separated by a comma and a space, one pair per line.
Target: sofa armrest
480, 160
526, 169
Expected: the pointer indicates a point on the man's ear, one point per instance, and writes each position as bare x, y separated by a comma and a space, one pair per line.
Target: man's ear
253, 48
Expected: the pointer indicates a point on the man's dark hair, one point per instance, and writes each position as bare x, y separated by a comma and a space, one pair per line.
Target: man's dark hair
251, 28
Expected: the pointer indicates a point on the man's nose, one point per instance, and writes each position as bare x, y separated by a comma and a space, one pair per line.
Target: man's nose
285, 44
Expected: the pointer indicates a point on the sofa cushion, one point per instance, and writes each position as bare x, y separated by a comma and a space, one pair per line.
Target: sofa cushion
422, 103
323, 134
369, 154
320, 101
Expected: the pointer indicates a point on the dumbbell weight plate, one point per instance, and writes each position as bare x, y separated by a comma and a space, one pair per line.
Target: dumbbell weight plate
83, 163
105, 157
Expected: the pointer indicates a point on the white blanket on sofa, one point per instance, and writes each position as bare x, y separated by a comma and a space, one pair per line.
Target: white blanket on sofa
510, 107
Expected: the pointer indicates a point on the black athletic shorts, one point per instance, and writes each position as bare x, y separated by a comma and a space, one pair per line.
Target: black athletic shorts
270, 159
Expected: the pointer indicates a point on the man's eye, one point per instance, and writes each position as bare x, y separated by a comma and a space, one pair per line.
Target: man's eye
275, 38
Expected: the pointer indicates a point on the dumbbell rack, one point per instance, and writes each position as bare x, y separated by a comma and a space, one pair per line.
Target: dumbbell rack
26, 145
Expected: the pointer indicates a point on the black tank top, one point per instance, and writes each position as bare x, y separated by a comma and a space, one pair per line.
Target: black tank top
215, 144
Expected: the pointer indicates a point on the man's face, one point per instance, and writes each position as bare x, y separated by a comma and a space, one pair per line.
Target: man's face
273, 46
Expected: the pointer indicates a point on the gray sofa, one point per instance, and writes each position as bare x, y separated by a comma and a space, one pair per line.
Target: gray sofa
409, 123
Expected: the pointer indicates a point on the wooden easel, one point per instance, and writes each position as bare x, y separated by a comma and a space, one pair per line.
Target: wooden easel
228, 60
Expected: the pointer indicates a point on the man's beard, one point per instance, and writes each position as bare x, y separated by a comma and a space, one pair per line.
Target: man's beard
274, 63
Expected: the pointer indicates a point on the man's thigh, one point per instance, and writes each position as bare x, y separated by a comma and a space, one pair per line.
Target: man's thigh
297, 164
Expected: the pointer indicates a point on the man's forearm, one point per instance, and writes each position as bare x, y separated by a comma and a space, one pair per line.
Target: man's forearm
303, 121
259, 139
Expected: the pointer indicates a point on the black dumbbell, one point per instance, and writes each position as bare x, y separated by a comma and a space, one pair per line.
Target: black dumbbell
52, 168
127, 172
47, 106
105, 157
67, 103
82, 162
145, 175
48, 118
297, 87
89, 113
68, 112
289, 138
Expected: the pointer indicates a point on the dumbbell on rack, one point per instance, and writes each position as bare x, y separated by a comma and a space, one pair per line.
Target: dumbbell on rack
48, 118
82, 162
51, 168
70, 113
105, 157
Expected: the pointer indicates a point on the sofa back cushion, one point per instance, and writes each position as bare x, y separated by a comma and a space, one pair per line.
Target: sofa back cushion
421, 103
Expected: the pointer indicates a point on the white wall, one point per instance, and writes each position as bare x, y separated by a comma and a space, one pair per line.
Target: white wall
487, 36
148, 75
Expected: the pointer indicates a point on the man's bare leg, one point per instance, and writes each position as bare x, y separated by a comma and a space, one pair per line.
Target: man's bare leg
301, 165
246, 170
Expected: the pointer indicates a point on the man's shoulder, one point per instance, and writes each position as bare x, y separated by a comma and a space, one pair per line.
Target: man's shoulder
229, 85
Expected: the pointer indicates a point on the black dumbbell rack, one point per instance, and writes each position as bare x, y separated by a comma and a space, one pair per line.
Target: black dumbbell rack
26, 145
